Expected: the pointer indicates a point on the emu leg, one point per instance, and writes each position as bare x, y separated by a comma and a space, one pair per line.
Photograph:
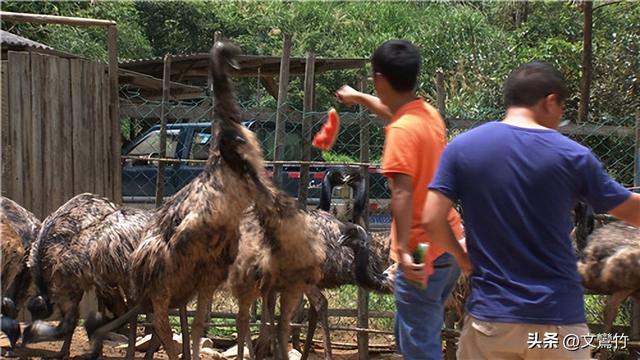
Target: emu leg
154, 345
205, 296
131, 346
312, 316
242, 326
161, 326
289, 301
610, 311
184, 328
295, 332
265, 339
67, 326
321, 306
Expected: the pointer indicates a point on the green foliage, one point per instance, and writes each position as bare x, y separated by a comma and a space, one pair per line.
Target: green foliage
476, 44
89, 42
338, 158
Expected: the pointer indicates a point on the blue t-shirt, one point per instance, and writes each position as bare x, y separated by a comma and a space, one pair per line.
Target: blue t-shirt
517, 188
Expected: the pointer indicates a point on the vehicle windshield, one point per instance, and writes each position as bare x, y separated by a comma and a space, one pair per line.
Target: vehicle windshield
150, 145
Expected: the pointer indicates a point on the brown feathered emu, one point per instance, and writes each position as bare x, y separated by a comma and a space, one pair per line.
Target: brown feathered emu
372, 269
352, 259
281, 251
608, 260
85, 244
192, 239
18, 230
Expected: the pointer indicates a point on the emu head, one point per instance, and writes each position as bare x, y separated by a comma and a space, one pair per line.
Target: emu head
354, 237
224, 54
9, 308
40, 307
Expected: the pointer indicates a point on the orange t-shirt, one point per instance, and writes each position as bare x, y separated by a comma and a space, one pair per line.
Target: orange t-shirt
414, 141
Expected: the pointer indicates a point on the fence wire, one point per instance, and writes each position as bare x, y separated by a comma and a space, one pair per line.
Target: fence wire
189, 137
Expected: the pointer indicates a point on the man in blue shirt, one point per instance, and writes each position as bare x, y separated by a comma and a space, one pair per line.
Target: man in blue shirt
517, 181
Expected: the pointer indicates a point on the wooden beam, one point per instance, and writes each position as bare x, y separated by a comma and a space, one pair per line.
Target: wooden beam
52, 19
166, 86
149, 82
112, 49
307, 119
283, 88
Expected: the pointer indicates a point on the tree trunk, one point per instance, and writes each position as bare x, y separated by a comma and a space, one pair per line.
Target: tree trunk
587, 68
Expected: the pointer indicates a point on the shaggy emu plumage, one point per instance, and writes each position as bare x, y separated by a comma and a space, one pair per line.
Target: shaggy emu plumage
192, 239
281, 250
352, 259
18, 230
83, 245
608, 260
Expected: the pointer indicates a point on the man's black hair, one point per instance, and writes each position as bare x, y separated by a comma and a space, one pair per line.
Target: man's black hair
399, 62
532, 82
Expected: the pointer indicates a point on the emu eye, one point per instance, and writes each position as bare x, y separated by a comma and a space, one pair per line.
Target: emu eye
239, 139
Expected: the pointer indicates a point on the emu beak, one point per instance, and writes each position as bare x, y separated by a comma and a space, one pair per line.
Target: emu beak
234, 64
343, 239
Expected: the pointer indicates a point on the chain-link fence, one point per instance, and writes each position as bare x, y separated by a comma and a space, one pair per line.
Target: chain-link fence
188, 137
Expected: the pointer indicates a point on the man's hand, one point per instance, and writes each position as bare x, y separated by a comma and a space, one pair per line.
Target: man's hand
348, 95
412, 271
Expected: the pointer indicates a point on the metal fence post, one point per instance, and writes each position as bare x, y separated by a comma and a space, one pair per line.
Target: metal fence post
363, 295
307, 118
166, 78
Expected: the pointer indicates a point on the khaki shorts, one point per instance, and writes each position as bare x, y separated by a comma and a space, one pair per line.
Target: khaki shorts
495, 340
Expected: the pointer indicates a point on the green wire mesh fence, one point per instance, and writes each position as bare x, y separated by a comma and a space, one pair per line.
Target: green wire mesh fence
188, 137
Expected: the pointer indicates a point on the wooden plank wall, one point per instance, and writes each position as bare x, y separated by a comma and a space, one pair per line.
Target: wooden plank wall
56, 131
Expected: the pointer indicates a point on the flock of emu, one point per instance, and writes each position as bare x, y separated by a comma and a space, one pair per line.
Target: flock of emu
229, 225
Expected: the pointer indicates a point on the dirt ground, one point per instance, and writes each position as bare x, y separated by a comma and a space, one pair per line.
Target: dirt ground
80, 346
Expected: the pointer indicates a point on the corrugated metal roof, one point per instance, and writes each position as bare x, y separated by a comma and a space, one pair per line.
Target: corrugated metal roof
194, 66
7, 38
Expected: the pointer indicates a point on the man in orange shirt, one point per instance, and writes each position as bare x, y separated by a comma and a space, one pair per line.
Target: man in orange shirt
414, 140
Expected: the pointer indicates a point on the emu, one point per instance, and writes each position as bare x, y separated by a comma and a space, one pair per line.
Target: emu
351, 259
18, 230
85, 244
281, 250
608, 259
192, 239
374, 269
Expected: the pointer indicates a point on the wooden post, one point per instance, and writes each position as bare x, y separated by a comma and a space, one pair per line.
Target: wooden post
283, 88
635, 307
363, 295
166, 78
441, 95
307, 119
114, 113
